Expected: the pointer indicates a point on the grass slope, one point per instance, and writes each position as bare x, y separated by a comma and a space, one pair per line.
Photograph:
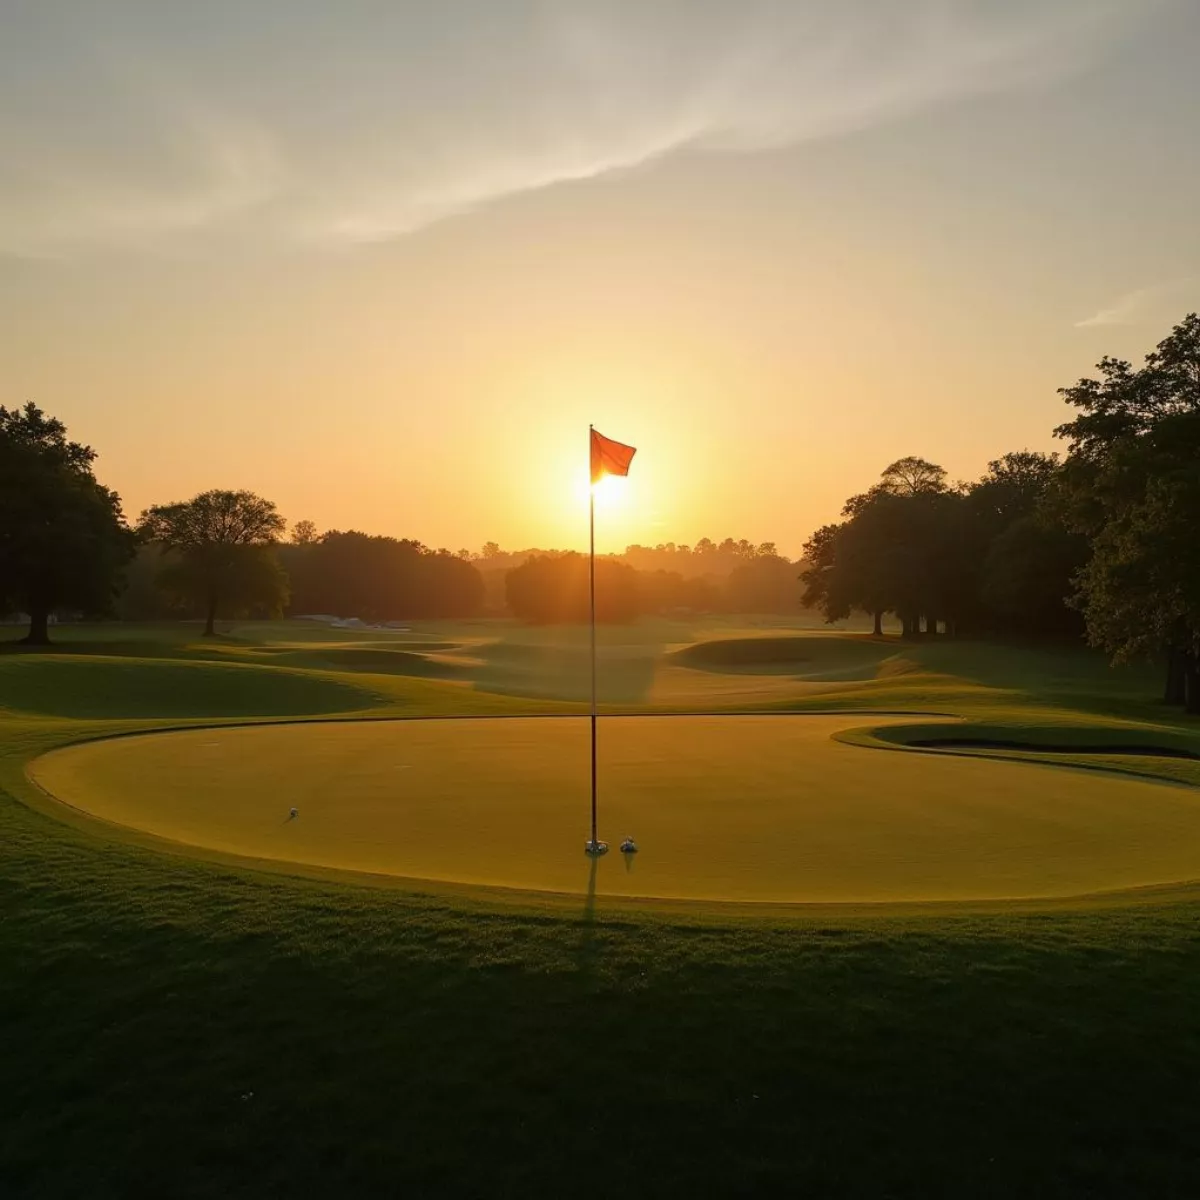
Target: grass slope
177, 1027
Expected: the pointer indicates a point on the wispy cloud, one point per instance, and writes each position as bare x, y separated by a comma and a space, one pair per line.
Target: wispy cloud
217, 170
1148, 305
343, 125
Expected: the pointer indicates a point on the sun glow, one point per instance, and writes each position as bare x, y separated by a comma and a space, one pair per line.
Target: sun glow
611, 492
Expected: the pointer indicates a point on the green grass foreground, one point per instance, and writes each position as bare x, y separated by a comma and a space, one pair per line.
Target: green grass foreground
173, 1026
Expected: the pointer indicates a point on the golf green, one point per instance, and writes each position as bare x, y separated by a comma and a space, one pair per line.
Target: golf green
759, 809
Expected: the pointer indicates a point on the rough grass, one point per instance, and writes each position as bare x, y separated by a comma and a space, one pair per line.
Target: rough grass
176, 1027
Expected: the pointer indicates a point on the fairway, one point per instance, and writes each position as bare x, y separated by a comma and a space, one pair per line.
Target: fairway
762, 809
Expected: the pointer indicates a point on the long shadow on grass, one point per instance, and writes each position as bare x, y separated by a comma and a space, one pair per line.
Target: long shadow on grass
589, 946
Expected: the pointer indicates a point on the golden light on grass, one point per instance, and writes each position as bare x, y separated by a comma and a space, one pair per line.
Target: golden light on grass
504, 803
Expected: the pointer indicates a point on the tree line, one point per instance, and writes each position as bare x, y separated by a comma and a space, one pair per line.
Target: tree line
731, 576
993, 556
204, 568
707, 557
1102, 540
549, 588
65, 546
1099, 541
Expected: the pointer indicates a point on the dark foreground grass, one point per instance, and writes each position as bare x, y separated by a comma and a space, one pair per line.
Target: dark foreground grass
175, 1028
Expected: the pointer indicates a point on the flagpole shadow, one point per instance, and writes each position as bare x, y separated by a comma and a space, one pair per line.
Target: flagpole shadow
589, 945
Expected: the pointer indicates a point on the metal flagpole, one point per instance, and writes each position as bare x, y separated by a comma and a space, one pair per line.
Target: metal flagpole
594, 844
604, 457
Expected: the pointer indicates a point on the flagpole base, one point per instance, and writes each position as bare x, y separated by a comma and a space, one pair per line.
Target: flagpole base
594, 849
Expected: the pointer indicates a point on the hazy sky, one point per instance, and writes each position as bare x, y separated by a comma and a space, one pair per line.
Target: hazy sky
384, 261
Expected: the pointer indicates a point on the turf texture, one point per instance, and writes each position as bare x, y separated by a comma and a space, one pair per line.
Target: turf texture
767, 809
173, 1026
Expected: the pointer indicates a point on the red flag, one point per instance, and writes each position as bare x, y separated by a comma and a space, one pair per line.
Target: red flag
609, 457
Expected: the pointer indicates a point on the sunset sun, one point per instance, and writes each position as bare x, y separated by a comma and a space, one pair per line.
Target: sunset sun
611, 492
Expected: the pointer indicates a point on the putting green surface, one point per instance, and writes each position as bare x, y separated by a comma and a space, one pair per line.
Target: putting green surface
764, 809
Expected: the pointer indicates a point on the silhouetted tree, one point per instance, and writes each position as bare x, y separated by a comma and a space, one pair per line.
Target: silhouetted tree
353, 574
853, 566
982, 557
63, 537
893, 553
669, 593
913, 477
548, 590
765, 583
706, 558
253, 583
1131, 484
1025, 555
828, 586
1028, 574
142, 596
1016, 485
304, 533
224, 551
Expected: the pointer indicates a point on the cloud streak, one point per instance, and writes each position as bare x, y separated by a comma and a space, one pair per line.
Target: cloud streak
334, 125
1148, 305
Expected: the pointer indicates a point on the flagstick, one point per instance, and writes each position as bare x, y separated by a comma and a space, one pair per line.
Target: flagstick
592, 590
595, 846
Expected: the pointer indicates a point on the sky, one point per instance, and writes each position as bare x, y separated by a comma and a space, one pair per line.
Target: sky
384, 262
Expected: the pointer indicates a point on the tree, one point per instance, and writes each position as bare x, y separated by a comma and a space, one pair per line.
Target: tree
895, 552
991, 555
824, 575
142, 596
1026, 555
224, 542
1131, 483
255, 584
1027, 575
304, 533
63, 537
912, 477
1015, 486
670, 593
547, 590
353, 574
1140, 591
765, 583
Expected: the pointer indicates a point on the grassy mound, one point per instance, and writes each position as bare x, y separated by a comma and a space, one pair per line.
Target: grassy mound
1113, 745
813, 657
1148, 751
1049, 736
94, 687
373, 660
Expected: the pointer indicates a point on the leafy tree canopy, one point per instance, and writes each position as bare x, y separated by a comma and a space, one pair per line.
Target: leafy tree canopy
1132, 484
63, 537
224, 550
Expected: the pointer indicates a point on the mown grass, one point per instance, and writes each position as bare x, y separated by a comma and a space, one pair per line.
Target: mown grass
179, 1027
504, 803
